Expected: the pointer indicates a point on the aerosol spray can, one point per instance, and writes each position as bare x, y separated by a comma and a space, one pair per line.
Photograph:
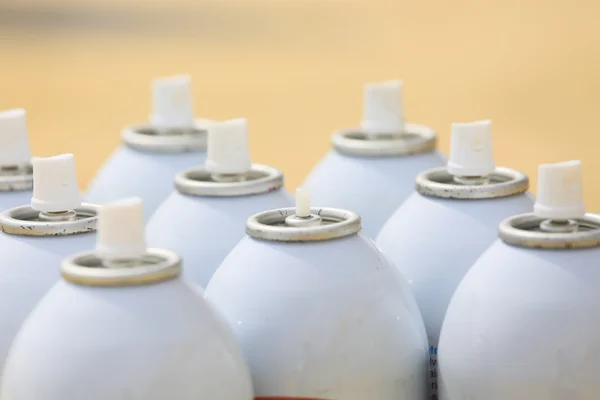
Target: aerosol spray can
525, 321
36, 237
439, 232
318, 310
204, 218
121, 324
16, 176
151, 154
372, 169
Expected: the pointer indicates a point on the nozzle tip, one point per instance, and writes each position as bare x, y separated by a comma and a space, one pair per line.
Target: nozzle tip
172, 102
302, 202
560, 191
121, 230
383, 108
14, 142
471, 149
55, 186
228, 149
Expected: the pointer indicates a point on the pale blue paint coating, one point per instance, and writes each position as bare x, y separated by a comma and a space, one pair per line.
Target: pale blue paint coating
14, 199
204, 229
148, 175
373, 187
30, 267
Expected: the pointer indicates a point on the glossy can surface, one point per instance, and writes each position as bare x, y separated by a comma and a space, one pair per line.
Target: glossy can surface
204, 229
135, 172
327, 319
434, 241
151, 342
524, 324
28, 270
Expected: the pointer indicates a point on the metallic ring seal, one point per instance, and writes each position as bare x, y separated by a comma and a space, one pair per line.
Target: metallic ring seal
19, 180
88, 269
503, 182
25, 221
270, 225
198, 182
415, 139
145, 137
524, 231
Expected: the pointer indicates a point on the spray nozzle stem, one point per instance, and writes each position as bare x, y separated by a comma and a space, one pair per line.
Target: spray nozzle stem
303, 216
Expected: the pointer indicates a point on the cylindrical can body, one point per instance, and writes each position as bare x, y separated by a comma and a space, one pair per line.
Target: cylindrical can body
28, 270
204, 229
322, 320
434, 242
524, 324
145, 174
374, 187
151, 342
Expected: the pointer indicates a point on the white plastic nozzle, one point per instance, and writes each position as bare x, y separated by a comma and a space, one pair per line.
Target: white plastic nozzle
14, 144
302, 202
228, 151
55, 184
471, 150
383, 108
121, 230
172, 103
560, 194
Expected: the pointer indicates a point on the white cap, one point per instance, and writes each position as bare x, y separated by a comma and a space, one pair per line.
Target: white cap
55, 184
172, 102
302, 202
14, 144
560, 194
471, 150
383, 107
228, 151
121, 230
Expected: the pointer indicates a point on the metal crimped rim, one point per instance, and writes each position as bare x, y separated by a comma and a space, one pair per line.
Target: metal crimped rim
341, 223
415, 139
86, 269
520, 231
437, 182
19, 221
261, 179
186, 141
17, 182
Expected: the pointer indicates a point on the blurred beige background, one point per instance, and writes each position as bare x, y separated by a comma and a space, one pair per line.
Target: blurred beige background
296, 68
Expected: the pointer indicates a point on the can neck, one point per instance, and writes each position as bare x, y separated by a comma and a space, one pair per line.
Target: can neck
159, 140
89, 269
503, 182
559, 226
283, 225
229, 177
471, 180
414, 139
259, 179
297, 221
527, 230
25, 221
58, 216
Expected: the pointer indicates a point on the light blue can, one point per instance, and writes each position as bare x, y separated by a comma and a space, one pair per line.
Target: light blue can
32, 245
203, 219
145, 164
373, 174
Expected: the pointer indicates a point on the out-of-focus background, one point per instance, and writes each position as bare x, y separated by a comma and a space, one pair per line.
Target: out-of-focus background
295, 69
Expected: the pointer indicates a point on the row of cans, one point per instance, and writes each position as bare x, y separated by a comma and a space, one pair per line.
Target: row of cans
412, 277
